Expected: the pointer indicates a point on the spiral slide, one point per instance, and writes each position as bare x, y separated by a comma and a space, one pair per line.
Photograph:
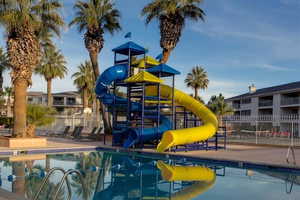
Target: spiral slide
189, 135
204, 177
169, 137
133, 135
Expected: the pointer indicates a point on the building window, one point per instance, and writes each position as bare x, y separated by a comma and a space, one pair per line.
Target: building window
58, 101
71, 101
40, 100
246, 101
246, 112
236, 104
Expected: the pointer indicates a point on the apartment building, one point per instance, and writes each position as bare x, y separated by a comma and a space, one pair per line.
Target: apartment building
64, 102
278, 105
281, 100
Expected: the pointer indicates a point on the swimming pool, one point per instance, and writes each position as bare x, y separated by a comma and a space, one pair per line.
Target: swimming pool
118, 176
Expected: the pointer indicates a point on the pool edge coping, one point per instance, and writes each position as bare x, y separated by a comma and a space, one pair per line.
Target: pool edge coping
168, 155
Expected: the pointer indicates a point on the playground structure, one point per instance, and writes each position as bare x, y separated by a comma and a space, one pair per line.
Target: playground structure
146, 111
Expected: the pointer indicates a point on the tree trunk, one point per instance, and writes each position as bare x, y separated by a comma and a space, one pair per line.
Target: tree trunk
18, 186
94, 60
49, 94
220, 120
107, 125
20, 107
30, 132
85, 98
1, 81
196, 93
166, 55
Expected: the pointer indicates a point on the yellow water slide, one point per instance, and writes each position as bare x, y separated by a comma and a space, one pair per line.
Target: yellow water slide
189, 135
204, 177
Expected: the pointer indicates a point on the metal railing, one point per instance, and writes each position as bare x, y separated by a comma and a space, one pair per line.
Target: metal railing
59, 103
63, 179
273, 118
61, 121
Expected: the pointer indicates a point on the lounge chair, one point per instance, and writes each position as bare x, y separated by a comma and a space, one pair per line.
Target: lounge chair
99, 135
77, 131
93, 135
62, 134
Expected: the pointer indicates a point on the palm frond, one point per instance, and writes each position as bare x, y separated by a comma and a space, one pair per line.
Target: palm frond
53, 64
96, 14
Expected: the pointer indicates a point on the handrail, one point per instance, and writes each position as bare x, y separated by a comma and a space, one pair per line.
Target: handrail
47, 178
65, 177
291, 148
290, 179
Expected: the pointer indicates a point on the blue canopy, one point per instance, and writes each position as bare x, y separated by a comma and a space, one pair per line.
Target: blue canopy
134, 49
163, 70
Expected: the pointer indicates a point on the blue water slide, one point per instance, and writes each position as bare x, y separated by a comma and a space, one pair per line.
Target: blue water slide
134, 135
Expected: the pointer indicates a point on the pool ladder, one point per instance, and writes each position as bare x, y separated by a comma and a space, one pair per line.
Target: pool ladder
63, 179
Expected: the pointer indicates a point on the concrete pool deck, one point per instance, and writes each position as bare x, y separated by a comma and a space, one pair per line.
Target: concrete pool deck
246, 153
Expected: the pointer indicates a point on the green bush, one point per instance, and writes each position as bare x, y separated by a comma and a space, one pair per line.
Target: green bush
6, 121
40, 115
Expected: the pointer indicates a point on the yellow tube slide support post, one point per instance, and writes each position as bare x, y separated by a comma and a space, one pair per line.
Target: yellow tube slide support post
204, 176
189, 135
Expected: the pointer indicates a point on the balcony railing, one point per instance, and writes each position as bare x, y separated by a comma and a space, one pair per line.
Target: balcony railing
58, 103
71, 103
263, 103
264, 118
290, 101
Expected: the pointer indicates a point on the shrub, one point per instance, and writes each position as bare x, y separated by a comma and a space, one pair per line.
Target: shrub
6, 121
37, 116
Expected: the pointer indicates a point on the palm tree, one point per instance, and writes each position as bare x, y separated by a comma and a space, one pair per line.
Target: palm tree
96, 17
25, 22
172, 16
198, 98
197, 79
4, 65
53, 65
84, 80
218, 105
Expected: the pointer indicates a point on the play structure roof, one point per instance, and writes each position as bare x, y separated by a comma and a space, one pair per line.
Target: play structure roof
143, 77
134, 49
163, 70
146, 62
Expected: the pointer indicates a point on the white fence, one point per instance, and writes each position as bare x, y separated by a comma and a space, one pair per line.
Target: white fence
270, 118
88, 122
263, 129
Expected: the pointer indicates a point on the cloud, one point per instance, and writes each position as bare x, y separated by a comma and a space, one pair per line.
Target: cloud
219, 31
274, 67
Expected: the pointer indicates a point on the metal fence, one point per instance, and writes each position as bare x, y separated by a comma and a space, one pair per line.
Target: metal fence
61, 121
264, 129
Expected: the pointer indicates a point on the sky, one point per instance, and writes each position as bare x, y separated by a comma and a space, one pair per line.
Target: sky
240, 43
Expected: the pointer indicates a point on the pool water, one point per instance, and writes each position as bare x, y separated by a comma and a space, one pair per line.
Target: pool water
118, 176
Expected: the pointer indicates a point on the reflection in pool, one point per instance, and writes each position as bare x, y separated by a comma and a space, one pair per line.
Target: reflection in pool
204, 177
116, 176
